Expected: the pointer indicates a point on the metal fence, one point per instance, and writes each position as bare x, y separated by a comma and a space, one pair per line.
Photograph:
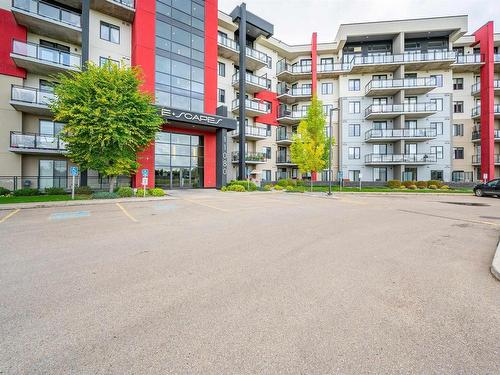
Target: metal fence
42, 182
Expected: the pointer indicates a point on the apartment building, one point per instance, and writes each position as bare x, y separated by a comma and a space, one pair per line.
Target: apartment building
409, 99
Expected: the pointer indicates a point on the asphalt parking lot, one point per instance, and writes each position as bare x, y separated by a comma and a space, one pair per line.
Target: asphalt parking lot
209, 282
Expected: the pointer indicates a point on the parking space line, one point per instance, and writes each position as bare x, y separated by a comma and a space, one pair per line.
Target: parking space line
126, 213
9, 215
451, 218
205, 205
69, 215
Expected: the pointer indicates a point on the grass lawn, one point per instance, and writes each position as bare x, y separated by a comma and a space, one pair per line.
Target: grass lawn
381, 190
40, 198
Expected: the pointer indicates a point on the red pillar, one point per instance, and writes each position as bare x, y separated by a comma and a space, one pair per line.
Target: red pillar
211, 20
314, 65
10, 31
143, 55
272, 117
484, 36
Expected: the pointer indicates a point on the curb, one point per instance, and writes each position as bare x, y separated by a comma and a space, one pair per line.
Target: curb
89, 202
495, 264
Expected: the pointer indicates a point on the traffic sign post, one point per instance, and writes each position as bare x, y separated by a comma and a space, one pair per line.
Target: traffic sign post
74, 173
360, 175
144, 184
340, 176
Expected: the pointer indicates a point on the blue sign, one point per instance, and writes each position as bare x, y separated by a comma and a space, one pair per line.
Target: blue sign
340, 175
145, 172
73, 171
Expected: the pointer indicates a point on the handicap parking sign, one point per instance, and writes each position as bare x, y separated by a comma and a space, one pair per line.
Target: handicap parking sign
73, 171
145, 172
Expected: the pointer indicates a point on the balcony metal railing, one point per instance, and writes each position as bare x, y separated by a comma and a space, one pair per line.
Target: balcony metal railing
469, 59
284, 66
400, 158
283, 157
256, 105
252, 131
476, 87
400, 83
298, 114
406, 57
334, 67
249, 156
304, 90
477, 134
250, 52
41, 182
31, 95
283, 135
127, 3
253, 79
401, 133
34, 141
49, 11
476, 111
396, 108
48, 54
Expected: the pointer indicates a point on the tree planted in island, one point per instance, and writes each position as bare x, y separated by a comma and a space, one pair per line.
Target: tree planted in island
108, 119
310, 146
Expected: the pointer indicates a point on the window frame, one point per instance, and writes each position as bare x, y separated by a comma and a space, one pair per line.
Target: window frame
110, 27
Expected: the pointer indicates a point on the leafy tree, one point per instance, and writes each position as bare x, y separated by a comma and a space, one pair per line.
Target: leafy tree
310, 146
108, 120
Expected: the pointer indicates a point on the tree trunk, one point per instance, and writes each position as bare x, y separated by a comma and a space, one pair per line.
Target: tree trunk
311, 182
112, 183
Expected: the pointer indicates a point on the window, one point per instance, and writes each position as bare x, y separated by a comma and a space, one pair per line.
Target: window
458, 152
438, 151
437, 175
379, 77
354, 152
354, 130
52, 173
47, 86
438, 103
49, 127
439, 79
327, 88
458, 176
458, 107
380, 149
221, 67
354, 85
222, 95
327, 108
438, 126
458, 130
354, 107
326, 61
267, 151
104, 60
458, 83
354, 175
380, 174
410, 148
110, 32
266, 175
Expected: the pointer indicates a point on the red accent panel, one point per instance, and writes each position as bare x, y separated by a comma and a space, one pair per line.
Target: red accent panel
211, 20
314, 65
210, 145
484, 36
314, 176
143, 56
10, 31
272, 117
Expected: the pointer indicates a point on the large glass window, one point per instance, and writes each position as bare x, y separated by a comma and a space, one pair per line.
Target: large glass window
52, 173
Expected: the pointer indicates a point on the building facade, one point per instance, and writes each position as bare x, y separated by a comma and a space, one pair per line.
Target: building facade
414, 99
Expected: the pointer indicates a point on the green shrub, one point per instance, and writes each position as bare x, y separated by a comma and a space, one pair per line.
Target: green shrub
422, 184
282, 183
4, 191
223, 188
157, 192
433, 187
393, 184
402, 187
435, 182
268, 187
278, 187
445, 187
290, 188
413, 187
236, 187
125, 191
247, 185
140, 192
408, 183
104, 195
26, 192
83, 190
55, 191
300, 182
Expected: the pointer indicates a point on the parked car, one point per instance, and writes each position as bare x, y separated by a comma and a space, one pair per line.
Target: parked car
488, 188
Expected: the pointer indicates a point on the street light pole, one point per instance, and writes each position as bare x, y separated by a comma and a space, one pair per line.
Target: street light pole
330, 130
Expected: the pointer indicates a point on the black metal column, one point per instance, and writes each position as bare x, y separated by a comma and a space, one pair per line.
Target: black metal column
221, 159
85, 59
242, 90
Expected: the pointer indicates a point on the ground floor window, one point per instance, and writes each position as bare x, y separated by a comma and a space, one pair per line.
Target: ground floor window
52, 173
380, 174
461, 176
354, 175
178, 160
410, 174
266, 175
437, 175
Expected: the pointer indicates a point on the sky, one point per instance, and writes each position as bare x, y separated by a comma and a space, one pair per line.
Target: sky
295, 20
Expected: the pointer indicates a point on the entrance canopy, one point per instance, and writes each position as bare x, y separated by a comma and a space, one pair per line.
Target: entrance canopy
196, 118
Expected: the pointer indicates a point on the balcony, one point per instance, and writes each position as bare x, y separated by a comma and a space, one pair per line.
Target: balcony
476, 88
395, 159
290, 95
391, 135
383, 111
283, 136
468, 63
291, 117
476, 111
389, 87
253, 108
476, 159
250, 157
47, 19
333, 70
31, 100
254, 83
121, 9
252, 133
229, 49
43, 60
292, 72
497, 62
476, 135
32, 143
283, 158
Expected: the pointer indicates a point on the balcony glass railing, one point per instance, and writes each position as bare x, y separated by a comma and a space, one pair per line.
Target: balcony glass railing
256, 105
406, 57
283, 158
400, 83
283, 135
250, 52
127, 3
476, 111
298, 114
335, 67
396, 108
469, 59
304, 90
283, 66
401, 133
249, 156
47, 54
36, 141
49, 11
476, 135
31, 95
497, 57
400, 158
252, 131
253, 79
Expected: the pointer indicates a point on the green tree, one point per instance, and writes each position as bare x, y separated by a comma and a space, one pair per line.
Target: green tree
108, 119
310, 146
